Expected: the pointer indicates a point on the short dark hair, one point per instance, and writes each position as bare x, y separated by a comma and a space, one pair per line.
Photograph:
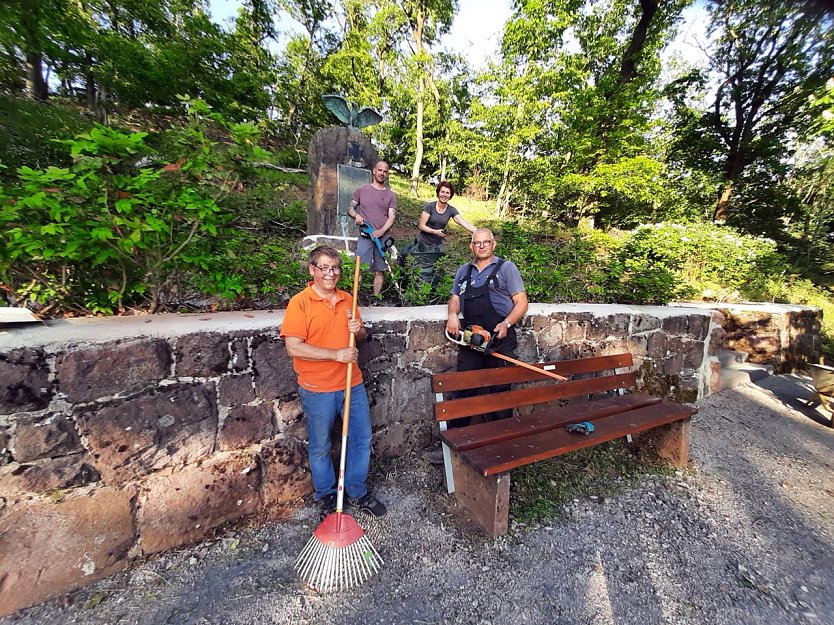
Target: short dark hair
324, 250
448, 185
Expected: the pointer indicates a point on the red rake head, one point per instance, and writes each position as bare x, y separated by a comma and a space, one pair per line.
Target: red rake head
338, 529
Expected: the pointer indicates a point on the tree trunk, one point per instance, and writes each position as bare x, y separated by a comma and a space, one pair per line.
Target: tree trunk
419, 23
101, 105
30, 16
35, 84
89, 82
418, 152
720, 213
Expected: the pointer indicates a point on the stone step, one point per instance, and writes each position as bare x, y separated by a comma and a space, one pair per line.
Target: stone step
730, 357
737, 374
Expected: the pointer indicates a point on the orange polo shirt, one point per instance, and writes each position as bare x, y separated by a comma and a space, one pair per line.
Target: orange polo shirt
312, 319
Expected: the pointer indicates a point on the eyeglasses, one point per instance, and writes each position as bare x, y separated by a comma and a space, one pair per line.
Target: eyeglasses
483, 243
326, 269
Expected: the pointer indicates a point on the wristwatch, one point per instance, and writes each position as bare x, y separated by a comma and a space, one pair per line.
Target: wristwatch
509, 325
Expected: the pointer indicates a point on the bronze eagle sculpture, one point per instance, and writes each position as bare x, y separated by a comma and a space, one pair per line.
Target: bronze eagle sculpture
350, 113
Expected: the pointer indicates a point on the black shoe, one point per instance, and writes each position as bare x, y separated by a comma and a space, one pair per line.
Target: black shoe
367, 503
327, 505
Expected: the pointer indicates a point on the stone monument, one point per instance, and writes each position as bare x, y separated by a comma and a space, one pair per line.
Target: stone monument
339, 159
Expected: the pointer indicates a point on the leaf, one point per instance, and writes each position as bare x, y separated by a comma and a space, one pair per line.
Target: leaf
174, 166
94, 601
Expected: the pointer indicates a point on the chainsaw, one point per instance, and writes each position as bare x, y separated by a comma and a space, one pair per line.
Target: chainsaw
479, 339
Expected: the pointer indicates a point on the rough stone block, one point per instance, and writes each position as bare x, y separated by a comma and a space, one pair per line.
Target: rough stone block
397, 439
390, 327
638, 345
676, 325
714, 376
371, 349
644, 323
716, 340
286, 477
240, 354
44, 476
44, 437
561, 352
411, 397
50, 548
551, 335
441, 359
699, 326
24, 381
179, 508
202, 355
694, 354
143, 434
393, 344
386, 362
601, 328
5, 441
245, 425
289, 413
274, 375
425, 335
543, 322
527, 350
236, 390
657, 345
122, 368
575, 330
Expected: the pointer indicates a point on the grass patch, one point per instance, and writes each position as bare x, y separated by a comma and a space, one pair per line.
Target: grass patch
539, 491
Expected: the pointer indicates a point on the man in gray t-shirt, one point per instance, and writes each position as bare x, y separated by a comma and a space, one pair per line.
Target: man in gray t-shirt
375, 204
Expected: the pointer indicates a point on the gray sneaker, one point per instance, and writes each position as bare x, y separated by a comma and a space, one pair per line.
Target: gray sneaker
367, 503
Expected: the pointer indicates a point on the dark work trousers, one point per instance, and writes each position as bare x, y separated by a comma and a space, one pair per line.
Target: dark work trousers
469, 359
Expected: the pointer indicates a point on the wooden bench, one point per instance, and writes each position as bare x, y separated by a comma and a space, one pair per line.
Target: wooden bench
478, 458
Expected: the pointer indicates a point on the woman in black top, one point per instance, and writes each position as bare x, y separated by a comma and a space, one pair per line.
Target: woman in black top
436, 215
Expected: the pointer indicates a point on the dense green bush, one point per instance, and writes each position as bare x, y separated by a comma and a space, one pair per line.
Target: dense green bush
124, 224
662, 262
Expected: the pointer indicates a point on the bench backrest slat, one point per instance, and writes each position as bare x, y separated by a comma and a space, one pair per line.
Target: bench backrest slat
468, 406
457, 380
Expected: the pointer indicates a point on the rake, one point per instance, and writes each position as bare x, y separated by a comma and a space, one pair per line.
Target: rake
338, 555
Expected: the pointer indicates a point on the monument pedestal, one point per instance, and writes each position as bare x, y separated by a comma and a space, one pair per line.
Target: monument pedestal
339, 160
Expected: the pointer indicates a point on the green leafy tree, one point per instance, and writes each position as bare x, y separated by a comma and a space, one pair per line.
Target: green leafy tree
769, 57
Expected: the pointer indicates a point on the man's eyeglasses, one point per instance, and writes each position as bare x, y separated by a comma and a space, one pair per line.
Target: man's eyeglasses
482, 243
326, 269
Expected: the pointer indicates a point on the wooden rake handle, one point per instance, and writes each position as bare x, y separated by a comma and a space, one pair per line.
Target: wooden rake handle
351, 343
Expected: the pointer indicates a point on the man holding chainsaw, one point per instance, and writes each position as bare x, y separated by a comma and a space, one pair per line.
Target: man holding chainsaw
489, 292
374, 204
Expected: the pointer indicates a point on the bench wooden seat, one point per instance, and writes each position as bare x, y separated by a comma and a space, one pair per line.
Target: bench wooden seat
478, 457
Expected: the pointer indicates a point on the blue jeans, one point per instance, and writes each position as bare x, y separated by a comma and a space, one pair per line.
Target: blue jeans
321, 410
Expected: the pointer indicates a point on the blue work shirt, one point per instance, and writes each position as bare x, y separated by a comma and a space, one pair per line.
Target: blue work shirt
508, 279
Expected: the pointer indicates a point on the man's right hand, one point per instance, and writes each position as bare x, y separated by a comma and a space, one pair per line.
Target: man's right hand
347, 354
453, 326
359, 219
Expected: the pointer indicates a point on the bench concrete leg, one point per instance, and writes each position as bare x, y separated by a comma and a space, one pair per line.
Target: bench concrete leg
486, 498
672, 442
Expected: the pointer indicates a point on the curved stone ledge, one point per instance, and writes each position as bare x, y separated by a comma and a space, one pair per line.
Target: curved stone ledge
162, 428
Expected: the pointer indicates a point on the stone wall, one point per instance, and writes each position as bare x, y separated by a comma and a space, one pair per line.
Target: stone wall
128, 436
781, 335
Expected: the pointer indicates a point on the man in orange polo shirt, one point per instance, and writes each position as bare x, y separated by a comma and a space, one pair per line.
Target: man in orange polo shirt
316, 329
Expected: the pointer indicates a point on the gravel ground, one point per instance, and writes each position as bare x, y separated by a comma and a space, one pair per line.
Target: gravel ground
746, 537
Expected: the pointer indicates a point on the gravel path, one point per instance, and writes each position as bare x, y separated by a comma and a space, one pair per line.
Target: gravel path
747, 537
